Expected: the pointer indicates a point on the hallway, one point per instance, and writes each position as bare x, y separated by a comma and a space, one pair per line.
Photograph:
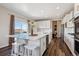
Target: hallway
58, 48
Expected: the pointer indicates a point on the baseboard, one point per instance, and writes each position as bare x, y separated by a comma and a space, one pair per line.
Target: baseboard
5, 48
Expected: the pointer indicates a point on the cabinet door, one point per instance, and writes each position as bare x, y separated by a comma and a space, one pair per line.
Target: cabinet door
37, 50
50, 37
43, 24
70, 43
71, 40
43, 45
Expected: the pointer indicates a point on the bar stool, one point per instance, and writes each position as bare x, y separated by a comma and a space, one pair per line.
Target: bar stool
15, 49
30, 50
21, 50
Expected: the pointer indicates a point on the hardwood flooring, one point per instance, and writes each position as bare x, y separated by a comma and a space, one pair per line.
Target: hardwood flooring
56, 48
6, 52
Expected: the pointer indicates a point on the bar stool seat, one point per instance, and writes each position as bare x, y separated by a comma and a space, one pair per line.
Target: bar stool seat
30, 49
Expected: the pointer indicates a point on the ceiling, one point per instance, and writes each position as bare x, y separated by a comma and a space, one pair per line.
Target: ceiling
40, 10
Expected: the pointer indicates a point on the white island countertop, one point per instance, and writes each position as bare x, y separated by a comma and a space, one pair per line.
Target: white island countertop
34, 38
40, 35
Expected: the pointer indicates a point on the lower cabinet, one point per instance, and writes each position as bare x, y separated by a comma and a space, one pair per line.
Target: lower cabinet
41, 42
50, 37
70, 43
42, 45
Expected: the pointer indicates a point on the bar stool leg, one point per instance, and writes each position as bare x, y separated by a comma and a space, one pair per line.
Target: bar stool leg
26, 52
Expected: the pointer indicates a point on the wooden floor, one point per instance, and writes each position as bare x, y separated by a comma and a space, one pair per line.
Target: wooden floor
56, 48
6, 52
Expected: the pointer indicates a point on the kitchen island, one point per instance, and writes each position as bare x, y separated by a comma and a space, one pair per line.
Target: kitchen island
38, 43
41, 40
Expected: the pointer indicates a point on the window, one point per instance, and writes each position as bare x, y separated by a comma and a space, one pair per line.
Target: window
21, 29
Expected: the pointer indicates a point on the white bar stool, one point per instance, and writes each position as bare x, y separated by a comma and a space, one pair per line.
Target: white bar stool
21, 50
30, 50
15, 49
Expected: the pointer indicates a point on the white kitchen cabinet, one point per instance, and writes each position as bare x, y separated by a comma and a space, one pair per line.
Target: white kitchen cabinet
70, 24
68, 16
43, 45
76, 10
69, 40
50, 37
76, 7
37, 50
43, 24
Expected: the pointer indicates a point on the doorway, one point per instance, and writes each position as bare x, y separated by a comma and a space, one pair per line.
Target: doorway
54, 29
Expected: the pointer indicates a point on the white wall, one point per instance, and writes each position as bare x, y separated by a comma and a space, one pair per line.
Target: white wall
59, 28
4, 26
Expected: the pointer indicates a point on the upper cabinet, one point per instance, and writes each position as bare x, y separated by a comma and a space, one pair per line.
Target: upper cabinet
70, 24
76, 10
68, 17
44, 24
